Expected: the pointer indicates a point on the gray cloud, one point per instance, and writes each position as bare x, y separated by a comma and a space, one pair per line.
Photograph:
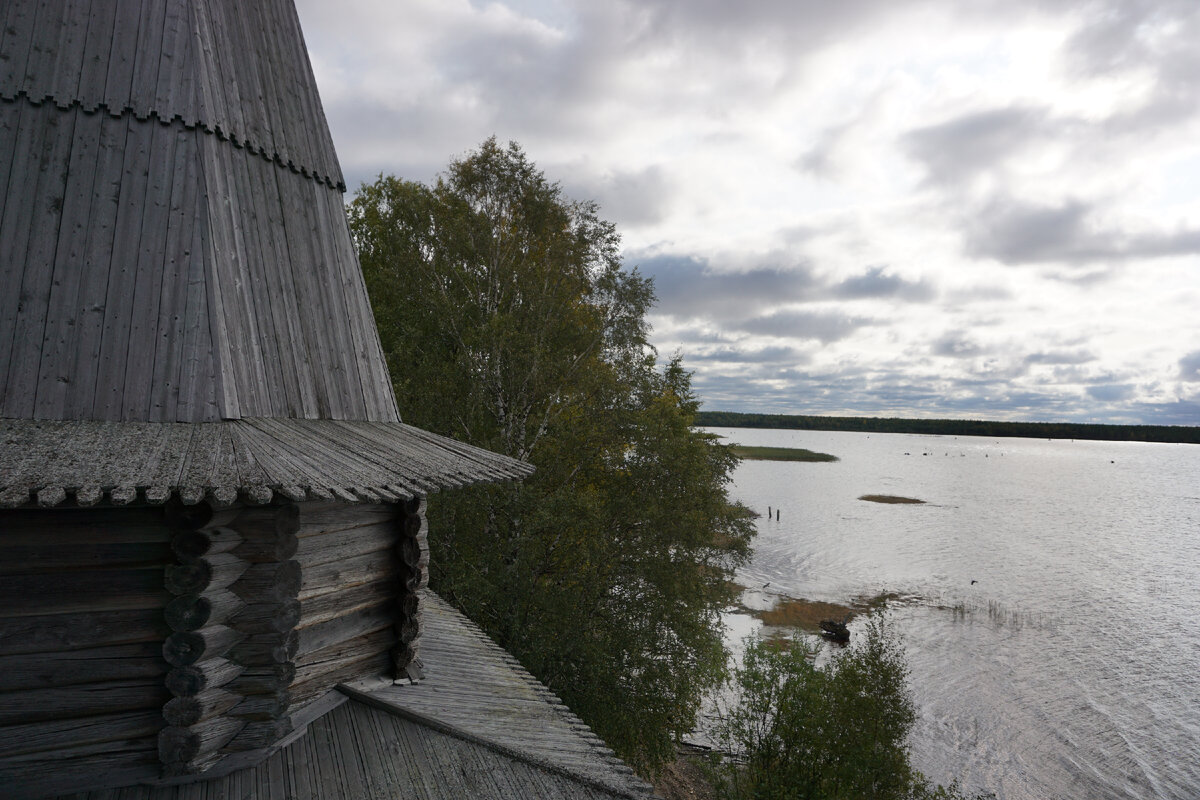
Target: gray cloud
875, 283
1110, 392
825, 326
1061, 357
1189, 367
761, 355
956, 150
687, 287
956, 344
626, 197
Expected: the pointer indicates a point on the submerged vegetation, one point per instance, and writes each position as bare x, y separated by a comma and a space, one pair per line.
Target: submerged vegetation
891, 498
756, 453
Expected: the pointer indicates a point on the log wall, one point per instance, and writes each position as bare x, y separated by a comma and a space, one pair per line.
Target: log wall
81, 633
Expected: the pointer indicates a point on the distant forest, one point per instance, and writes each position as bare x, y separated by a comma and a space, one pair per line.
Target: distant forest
955, 427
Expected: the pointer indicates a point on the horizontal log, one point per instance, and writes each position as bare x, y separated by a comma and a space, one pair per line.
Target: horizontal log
182, 712
257, 735
204, 574
350, 571
184, 648
191, 545
266, 648
71, 667
17, 559
263, 548
266, 583
252, 522
200, 764
81, 700
34, 737
182, 745
339, 602
191, 612
264, 680
331, 660
76, 527
67, 770
57, 632
195, 678
370, 663
317, 518
263, 707
347, 627
267, 617
339, 545
82, 591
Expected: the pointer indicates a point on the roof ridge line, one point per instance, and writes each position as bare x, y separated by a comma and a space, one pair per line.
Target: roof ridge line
153, 115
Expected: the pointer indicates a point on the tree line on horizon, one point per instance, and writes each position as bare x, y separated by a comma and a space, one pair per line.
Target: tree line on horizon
954, 427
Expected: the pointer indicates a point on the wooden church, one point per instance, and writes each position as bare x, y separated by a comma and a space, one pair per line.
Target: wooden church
212, 533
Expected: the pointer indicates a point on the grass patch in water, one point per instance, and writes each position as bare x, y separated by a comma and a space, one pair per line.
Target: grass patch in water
806, 615
779, 453
891, 498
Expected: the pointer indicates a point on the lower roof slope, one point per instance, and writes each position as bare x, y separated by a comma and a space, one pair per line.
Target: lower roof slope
479, 726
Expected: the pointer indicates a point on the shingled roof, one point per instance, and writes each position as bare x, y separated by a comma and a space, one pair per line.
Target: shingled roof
181, 295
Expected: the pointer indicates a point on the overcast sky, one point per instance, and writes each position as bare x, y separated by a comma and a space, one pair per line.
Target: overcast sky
978, 208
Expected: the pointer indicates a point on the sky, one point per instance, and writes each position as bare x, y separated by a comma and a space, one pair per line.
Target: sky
982, 209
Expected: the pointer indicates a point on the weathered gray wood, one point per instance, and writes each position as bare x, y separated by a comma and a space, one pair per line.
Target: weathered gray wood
274, 547
350, 571
185, 648
34, 737
189, 546
259, 734
336, 603
29, 558
337, 545
72, 667
267, 617
61, 592
80, 700
182, 712
205, 574
313, 665
346, 628
60, 632
191, 612
264, 680
263, 583
181, 745
263, 707
262, 649
212, 673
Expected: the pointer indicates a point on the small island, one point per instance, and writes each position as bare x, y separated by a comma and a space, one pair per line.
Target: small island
891, 498
752, 453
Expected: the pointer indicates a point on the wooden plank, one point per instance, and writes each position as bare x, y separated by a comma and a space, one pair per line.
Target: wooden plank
147, 283
34, 737
33, 558
81, 700
312, 665
319, 518
122, 277
198, 382
119, 79
68, 55
18, 36
352, 571
69, 667
146, 60
345, 628
71, 769
316, 550
324, 607
97, 263
227, 52
74, 526
46, 201
96, 48
99, 590
172, 61
39, 75
62, 632
166, 363
60, 342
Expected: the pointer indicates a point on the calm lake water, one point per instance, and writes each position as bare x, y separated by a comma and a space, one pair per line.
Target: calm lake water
1052, 611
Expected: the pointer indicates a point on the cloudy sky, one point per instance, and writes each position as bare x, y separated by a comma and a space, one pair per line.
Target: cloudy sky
979, 208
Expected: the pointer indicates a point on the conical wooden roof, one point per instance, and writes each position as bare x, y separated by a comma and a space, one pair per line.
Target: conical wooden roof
174, 249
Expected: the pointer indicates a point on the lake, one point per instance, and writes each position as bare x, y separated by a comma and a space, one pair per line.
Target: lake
1051, 610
